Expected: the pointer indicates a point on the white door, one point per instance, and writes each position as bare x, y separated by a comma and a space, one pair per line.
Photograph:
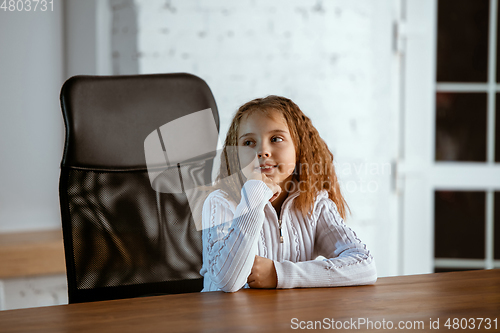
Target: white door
449, 167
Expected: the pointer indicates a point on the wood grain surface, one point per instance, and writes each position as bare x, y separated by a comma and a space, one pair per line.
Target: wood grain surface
31, 253
472, 294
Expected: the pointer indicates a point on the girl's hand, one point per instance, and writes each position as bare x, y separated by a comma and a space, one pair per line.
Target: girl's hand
263, 274
273, 186
268, 181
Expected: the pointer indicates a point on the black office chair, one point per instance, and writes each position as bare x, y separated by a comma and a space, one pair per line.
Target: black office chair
122, 238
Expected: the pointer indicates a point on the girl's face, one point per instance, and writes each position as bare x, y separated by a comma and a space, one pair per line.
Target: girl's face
266, 140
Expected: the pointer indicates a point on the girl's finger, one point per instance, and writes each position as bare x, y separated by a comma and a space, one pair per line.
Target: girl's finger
274, 197
253, 284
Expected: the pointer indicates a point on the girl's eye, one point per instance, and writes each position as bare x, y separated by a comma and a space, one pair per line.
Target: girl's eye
247, 143
276, 139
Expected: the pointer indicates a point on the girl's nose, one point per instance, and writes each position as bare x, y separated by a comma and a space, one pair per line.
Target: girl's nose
263, 151
263, 154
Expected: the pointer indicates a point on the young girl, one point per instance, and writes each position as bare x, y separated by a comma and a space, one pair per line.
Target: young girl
267, 222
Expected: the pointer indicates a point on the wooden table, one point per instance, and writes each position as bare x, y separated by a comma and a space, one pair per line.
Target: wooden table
414, 300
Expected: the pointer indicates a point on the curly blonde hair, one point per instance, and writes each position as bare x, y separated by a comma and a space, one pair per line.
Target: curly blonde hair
312, 152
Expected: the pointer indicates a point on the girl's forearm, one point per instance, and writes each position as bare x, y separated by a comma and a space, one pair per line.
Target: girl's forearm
229, 252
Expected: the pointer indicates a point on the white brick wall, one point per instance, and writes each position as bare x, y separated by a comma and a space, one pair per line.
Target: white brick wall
333, 58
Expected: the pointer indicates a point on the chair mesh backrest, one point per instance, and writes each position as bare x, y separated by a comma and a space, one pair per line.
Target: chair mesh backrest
122, 238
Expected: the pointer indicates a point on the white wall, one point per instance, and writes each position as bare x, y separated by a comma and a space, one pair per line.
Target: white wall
334, 58
31, 125
31, 292
36, 56
31, 140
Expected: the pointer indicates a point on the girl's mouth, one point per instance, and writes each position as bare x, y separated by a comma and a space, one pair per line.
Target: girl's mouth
266, 168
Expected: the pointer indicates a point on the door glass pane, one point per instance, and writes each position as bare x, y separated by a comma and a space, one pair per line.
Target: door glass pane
496, 243
459, 226
462, 52
461, 127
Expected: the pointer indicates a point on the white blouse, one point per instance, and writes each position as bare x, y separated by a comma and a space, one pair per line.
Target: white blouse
234, 234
